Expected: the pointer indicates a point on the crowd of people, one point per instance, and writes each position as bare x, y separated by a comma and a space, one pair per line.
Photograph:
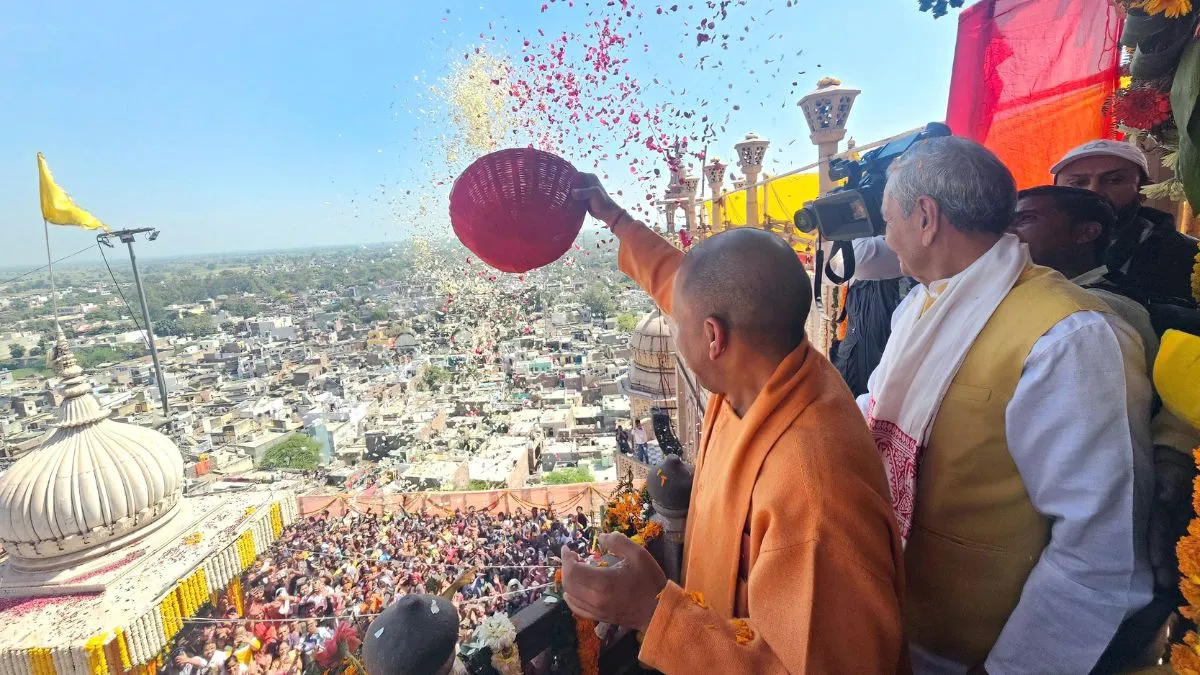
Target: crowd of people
326, 569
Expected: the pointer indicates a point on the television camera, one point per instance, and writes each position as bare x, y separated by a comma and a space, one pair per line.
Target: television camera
853, 211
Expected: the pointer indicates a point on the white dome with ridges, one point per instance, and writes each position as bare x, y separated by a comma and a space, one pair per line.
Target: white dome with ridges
92, 486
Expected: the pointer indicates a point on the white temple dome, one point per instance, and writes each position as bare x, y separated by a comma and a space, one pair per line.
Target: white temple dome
652, 345
92, 485
652, 373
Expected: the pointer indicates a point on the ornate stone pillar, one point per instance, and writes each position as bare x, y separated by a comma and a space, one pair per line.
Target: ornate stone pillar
714, 173
687, 195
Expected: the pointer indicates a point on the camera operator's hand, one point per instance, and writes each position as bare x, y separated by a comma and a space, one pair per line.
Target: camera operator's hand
600, 205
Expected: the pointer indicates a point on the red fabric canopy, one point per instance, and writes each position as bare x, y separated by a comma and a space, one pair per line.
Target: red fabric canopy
1030, 78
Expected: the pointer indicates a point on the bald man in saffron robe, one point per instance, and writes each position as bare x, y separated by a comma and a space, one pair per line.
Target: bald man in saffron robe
792, 555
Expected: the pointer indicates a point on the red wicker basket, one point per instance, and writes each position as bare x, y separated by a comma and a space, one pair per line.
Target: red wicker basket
514, 209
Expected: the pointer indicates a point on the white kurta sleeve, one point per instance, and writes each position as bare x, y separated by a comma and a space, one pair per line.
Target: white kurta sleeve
1078, 427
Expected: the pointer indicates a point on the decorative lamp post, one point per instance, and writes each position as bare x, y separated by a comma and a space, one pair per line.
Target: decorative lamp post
750, 155
714, 173
826, 110
687, 195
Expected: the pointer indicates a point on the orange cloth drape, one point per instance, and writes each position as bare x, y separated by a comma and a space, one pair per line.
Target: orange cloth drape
1030, 78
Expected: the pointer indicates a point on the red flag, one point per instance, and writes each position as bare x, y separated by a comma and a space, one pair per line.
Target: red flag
1030, 78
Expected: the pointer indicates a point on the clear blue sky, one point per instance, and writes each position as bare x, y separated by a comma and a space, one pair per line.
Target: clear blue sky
270, 124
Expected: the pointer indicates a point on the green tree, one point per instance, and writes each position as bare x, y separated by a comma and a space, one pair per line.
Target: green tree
938, 7
599, 300
90, 357
104, 314
167, 326
476, 484
16, 350
578, 474
435, 376
378, 314
297, 452
626, 322
242, 307
196, 325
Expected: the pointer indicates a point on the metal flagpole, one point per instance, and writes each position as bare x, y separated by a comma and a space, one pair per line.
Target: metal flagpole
50, 264
127, 238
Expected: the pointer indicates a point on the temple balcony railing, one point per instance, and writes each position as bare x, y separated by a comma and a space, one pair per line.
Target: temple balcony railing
628, 466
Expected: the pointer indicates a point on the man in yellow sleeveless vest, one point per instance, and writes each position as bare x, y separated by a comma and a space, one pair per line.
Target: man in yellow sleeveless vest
1012, 410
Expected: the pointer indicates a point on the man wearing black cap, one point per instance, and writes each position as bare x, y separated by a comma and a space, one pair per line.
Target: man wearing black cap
1147, 253
415, 636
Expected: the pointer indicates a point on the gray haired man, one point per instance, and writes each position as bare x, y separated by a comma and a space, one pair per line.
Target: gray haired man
1012, 410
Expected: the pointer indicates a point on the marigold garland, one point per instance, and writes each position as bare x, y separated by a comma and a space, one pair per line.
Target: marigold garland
1185, 658
235, 595
165, 612
276, 520
245, 549
97, 661
123, 650
42, 661
588, 646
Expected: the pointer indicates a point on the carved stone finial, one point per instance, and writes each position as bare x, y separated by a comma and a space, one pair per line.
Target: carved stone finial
67, 367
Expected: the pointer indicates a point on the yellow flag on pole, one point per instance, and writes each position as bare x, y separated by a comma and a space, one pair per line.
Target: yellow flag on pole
57, 205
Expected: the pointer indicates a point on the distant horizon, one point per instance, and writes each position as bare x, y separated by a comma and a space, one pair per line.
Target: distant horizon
142, 248
142, 255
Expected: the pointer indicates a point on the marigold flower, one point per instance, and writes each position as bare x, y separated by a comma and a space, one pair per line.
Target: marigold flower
651, 532
1172, 9
742, 633
697, 597
1188, 551
1191, 592
1184, 661
1190, 613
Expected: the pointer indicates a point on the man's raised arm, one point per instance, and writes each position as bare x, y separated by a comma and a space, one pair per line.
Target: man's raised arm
647, 258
